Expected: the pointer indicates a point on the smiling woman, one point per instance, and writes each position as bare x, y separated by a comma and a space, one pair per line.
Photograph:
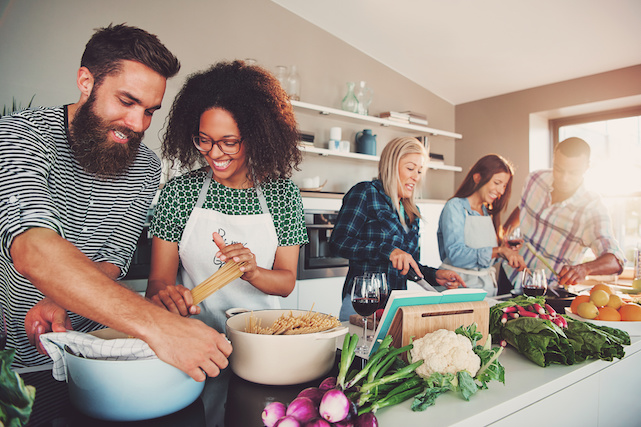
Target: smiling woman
467, 230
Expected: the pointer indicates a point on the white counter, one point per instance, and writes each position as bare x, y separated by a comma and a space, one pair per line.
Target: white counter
593, 393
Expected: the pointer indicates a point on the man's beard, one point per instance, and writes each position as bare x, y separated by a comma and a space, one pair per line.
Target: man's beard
91, 146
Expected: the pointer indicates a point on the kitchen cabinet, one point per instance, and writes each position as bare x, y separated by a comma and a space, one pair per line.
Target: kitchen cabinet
360, 119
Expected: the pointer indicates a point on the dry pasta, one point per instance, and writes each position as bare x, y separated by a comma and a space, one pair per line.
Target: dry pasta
225, 275
288, 324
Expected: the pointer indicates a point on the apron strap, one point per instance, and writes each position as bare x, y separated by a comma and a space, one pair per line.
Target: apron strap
203, 190
203, 194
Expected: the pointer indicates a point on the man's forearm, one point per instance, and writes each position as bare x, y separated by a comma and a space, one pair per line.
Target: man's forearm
60, 271
604, 265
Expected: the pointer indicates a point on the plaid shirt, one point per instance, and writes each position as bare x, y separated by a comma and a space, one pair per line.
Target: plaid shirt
562, 232
367, 230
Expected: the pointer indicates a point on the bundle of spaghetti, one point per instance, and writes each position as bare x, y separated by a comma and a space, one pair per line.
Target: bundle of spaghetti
225, 275
288, 324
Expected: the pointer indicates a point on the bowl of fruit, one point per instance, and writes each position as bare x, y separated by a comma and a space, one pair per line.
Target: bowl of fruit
604, 307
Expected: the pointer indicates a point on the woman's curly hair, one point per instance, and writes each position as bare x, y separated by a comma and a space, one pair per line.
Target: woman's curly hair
258, 104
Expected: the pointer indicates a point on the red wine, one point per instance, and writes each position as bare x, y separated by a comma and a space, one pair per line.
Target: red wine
365, 306
383, 300
534, 292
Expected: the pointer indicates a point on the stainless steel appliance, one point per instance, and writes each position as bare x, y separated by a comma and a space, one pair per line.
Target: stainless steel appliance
315, 259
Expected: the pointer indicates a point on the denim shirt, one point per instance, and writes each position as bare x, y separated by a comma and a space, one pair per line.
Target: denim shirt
451, 237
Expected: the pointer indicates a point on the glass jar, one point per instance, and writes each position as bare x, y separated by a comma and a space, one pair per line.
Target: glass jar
365, 96
293, 84
350, 102
281, 75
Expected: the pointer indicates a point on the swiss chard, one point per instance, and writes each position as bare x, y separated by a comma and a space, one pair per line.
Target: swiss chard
544, 342
16, 399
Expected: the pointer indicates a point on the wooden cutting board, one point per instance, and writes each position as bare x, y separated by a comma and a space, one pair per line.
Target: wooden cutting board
418, 320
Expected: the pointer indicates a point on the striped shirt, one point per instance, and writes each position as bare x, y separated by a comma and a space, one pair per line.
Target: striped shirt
367, 230
42, 185
562, 232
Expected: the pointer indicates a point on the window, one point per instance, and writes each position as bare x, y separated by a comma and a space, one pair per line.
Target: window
615, 166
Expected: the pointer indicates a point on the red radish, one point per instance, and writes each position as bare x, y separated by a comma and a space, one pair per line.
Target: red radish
503, 343
366, 420
529, 314
544, 316
303, 409
273, 412
287, 421
328, 383
538, 308
509, 309
549, 308
317, 422
334, 406
514, 315
504, 318
314, 393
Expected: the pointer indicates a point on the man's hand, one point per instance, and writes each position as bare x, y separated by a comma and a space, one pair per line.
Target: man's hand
449, 279
45, 316
604, 265
572, 274
191, 346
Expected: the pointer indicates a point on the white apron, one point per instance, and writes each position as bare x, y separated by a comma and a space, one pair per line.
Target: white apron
479, 233
197, 250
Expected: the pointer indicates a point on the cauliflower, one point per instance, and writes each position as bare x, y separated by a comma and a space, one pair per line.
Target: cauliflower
445, 352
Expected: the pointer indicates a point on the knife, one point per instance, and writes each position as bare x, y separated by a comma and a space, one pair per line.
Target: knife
411, 275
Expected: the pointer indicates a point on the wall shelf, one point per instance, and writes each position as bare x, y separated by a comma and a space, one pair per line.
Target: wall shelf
331, 153
371, 119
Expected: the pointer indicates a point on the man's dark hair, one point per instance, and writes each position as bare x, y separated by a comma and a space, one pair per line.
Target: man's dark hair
258, 104
573, 147
111, 45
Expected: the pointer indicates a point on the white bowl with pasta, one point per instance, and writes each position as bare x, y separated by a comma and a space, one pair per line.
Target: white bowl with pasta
295, 355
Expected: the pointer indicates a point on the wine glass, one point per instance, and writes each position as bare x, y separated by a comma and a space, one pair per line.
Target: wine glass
535, 283
365, 299
383, 295
514, 239
3, 330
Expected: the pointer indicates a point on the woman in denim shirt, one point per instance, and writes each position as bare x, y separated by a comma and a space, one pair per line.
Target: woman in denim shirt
467, 237
377, 226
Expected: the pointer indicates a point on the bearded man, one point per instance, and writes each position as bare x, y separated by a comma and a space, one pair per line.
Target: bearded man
75, 186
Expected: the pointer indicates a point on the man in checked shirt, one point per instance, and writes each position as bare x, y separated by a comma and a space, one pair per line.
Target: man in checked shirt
562, 219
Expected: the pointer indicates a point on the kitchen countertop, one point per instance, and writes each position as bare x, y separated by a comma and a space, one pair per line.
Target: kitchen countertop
231, 401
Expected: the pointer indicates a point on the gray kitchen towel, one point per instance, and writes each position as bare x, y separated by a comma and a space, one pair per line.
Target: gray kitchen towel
89, 346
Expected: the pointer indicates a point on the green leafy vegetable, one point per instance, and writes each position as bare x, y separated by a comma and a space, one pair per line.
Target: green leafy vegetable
16, 399
388, 380
543, 342
462, 382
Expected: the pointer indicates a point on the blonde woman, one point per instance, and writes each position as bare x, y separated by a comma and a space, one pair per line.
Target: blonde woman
377, 228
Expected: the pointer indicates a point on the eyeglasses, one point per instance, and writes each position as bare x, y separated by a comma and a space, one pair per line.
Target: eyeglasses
226, 145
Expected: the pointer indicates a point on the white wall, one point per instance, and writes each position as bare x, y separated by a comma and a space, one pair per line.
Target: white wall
41, 42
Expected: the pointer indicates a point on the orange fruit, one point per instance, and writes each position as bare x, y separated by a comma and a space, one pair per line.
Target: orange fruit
630, 311
599, 297
578, 300
603, 287
608, 313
